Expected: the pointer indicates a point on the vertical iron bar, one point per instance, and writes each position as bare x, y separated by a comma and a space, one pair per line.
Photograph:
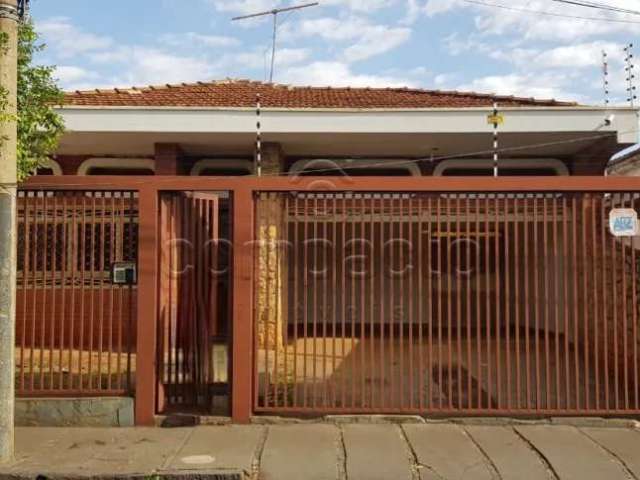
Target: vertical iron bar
586, 201
507, 300
468, 272
498, 302
556, 299
596, 311
576, 345
536, 297
527, 298
566, 268
458, 275
605, 310
63, 289
362, 268
479, 275
547, 303
45, 265
296, 299
52, 253
516, 289
625, 299
488, 301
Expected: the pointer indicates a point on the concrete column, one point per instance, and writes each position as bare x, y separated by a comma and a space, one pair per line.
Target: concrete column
8, 165
273, 161
167, 157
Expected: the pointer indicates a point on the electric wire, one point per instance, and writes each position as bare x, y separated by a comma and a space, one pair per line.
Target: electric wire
550, 14
598, 6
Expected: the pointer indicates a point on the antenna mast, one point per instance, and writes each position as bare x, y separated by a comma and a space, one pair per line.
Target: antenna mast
274, 36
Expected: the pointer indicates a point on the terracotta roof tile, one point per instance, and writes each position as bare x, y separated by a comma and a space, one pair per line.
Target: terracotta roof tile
242, 93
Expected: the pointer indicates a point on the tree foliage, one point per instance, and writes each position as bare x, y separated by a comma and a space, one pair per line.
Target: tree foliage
39, 126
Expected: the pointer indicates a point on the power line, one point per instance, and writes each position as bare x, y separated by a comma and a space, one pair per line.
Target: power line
551, 14
598, 6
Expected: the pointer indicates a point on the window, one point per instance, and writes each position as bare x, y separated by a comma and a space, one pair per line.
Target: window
64, 236
222, 167
117, 166
506, 168
49, 168
356, 167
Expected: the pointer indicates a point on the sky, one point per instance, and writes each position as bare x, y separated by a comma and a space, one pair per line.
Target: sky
512, 47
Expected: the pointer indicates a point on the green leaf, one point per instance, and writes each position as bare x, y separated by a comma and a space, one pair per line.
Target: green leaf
39, 126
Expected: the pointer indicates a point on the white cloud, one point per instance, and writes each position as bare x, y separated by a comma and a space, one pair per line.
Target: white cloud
337, 74
190, 39
375, 41
244, 7
444, 79
538, 85
367, 39
66, 40
68, 74
256, 59
582, 55
360, 5
435, 7
144, 65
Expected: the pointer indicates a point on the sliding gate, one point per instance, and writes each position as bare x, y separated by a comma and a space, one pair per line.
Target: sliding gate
456, 303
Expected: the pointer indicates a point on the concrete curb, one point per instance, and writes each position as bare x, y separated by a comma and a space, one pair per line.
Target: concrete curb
484, 421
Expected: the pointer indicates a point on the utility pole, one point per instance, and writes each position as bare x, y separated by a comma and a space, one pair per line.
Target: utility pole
9, 18
274, 35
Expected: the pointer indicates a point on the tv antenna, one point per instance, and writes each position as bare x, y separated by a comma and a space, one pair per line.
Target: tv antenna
275, 13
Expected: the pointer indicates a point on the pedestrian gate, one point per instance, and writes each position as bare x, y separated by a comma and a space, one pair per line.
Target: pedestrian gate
191, 338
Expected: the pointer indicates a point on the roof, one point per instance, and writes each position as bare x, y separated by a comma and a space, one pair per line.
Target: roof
242, 93
629, 152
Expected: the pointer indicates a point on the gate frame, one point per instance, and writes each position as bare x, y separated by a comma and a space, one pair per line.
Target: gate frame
241, 191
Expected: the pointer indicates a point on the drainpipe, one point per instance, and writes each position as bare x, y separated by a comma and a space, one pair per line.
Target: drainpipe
8, 179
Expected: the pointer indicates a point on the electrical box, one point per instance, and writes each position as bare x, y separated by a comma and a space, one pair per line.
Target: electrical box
124, 273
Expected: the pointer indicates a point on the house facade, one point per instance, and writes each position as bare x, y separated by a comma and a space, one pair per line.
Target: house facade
239, 248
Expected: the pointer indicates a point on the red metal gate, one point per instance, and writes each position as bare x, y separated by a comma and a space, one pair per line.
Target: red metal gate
190, 333
75, 328
456, 303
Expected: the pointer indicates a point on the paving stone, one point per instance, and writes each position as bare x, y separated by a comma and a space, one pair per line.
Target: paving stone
571, 454
623, 443
510, 455
445, 450
376, 452
294, 452
219, 447
94, 451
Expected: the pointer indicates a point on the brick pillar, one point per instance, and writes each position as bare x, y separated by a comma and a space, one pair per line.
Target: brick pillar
167, 157
272, 263
272, 159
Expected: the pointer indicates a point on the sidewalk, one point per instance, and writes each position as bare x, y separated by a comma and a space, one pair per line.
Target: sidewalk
343, 451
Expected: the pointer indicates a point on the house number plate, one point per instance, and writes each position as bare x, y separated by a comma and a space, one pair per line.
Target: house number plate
623, 222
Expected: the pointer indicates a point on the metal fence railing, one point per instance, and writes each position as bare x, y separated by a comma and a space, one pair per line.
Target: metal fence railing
453, 302
75, 328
